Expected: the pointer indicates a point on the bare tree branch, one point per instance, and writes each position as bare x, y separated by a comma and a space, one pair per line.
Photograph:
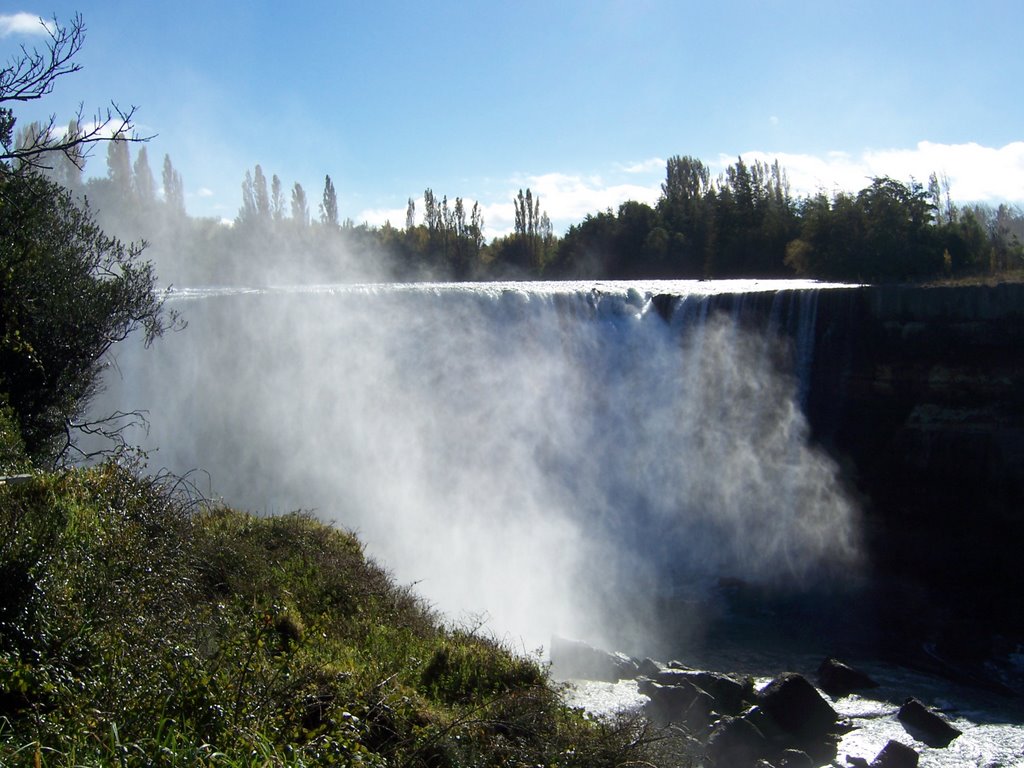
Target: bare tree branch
30, 77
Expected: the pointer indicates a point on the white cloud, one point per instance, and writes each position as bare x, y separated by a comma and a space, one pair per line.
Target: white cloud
23, 24
649, 165
377, 217
205, 192
975, 172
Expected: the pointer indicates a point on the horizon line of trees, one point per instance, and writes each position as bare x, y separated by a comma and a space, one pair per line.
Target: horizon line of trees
746, 222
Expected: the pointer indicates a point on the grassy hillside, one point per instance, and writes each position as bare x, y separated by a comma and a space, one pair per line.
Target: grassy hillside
138, 627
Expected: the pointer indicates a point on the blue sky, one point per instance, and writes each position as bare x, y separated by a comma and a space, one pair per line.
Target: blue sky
581, 101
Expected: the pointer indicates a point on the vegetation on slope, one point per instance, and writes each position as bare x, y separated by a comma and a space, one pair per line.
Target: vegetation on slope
140, 627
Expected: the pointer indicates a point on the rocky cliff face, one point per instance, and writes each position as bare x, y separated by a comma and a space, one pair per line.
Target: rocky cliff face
919, 393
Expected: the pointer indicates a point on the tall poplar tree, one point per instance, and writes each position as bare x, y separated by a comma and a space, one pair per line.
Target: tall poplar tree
174, 189
260, 195
142, 180
119, 168
276, 200
300, 206
329, 206
247, 213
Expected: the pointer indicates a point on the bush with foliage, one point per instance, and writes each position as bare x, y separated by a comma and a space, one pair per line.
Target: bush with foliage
67, 293
139, 627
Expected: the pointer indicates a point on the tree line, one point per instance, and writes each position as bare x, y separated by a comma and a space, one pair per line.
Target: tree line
744, 223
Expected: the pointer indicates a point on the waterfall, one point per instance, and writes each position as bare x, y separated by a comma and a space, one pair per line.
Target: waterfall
550, 457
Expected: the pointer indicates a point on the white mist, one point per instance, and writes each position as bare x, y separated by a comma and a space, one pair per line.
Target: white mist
540, 458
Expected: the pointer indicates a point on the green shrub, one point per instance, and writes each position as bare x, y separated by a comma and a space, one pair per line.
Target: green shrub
67, 293
13, 458
139, 628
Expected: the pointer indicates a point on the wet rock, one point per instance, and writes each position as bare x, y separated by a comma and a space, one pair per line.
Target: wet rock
683, 703
772, 731
794, 758
926, 725
701, 712
649, 668
895, 755
792, 702
735, 742
838, 679
728, 692
576, 660
675, 664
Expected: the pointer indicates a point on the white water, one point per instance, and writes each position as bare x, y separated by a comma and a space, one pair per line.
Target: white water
538, 457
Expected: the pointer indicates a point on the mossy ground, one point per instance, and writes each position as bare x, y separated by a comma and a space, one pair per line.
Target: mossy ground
139, 627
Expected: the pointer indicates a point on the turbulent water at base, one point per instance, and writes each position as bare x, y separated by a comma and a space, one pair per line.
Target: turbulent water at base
594, 460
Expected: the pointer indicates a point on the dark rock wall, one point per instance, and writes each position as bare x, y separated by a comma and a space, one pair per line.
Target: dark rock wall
919, 394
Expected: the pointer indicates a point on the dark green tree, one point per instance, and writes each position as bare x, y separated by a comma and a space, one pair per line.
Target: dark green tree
276, 200
67, 293
329, 205
174, 189
119, 169
899, 242
261, 195
831, 239
247, 213
300, 206
685, 212
143, 183
410, 215
587, 250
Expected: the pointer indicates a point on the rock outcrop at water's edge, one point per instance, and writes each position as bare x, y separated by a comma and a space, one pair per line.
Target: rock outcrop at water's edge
926, 725
784, 722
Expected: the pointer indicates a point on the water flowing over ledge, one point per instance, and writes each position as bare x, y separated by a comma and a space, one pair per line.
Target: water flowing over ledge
494, 289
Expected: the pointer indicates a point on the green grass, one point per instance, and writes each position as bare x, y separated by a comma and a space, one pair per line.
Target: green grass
139, 627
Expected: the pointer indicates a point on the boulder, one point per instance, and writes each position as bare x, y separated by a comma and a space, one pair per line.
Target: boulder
792, 702
735, 742
794, 758
728, 692
576, 660
926, 725
895, 755
775, 735
820, 749
673, 703
701, 712
649, 668
837, 679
